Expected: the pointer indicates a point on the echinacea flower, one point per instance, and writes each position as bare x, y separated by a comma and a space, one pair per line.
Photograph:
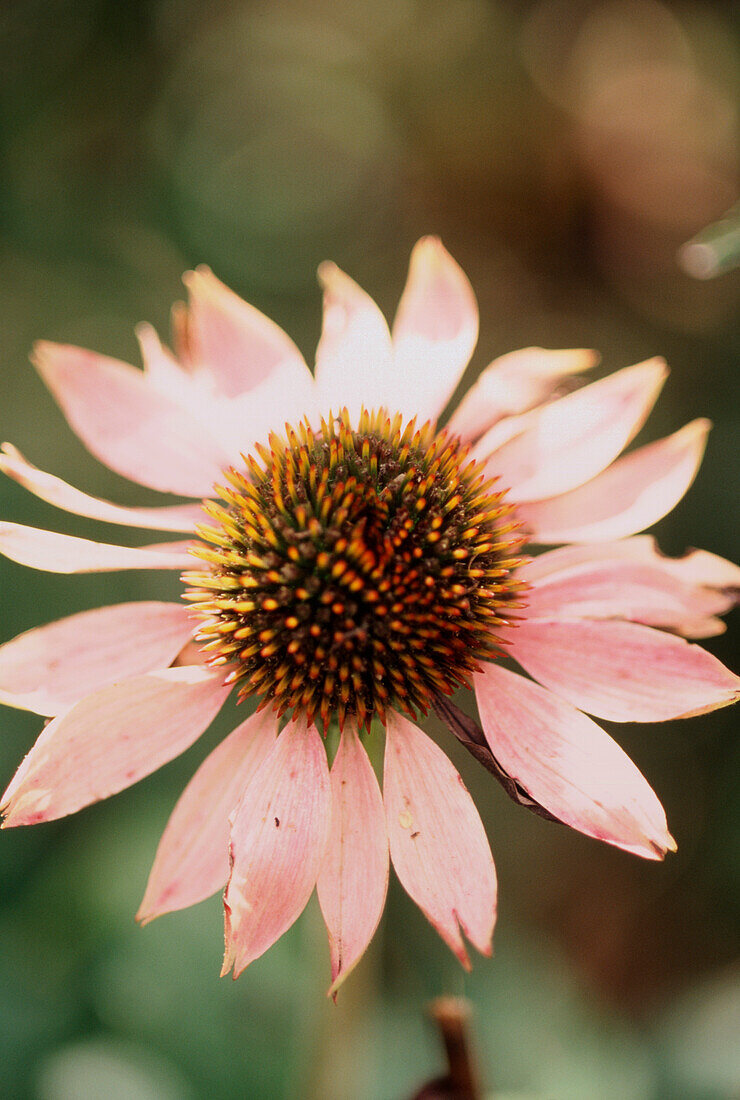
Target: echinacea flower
350, 563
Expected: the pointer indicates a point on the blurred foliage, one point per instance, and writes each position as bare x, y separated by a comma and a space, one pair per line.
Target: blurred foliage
564, 150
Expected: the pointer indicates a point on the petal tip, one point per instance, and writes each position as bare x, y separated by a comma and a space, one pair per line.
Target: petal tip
659, 849
658, 370
431, 242
430, 252
200, 271
326, 272
149, 910
41, 355
700, 427
196, 277
337, 983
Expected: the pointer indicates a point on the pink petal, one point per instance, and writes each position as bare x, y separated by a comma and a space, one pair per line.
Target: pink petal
353, 879
279, 399
48, 669
435, 331
194, 390
569, 441
709, 584
192, 860
638, 490
179, 517
354, 362
279, 834
515, 383
623, 671
160, 365
553, 564
569, 764
626, 589
282, 394
504, 430
55, 553
701, 567
109, 740
438, 844
129, 424
235, 343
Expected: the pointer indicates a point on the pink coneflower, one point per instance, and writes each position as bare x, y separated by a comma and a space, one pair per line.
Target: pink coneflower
355, 563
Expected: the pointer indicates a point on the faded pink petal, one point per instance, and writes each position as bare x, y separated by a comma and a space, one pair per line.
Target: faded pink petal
626, 589
353, 879
160, 366
129, 424
438, 844
705, 584
635, 492
178, 517
235, 343
279, 834
515, 383
569, 764
55, 553
194, 390
354, 361
701, 567
641, 549
109, 740
192, 859
281, 394
280, 399
623, 671
504, 430
434, 333
569, 441
48, 669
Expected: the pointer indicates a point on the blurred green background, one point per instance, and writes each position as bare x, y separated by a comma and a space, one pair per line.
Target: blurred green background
563, 151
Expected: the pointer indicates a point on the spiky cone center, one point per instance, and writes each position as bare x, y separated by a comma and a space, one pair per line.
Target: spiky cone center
350, 570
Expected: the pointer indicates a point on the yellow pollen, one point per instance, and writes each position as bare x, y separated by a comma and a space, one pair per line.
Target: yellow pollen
377, 559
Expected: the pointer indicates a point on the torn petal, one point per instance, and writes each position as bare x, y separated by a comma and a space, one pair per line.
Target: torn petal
693, 589
625, 589
437, 840
279, 833
353, 879
192, 859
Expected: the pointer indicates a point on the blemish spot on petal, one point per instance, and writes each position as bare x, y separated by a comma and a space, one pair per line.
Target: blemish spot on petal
405, 820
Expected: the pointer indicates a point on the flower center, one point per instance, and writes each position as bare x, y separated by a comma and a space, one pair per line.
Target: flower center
352, 570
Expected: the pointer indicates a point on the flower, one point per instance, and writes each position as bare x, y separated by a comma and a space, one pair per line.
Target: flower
355, 563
